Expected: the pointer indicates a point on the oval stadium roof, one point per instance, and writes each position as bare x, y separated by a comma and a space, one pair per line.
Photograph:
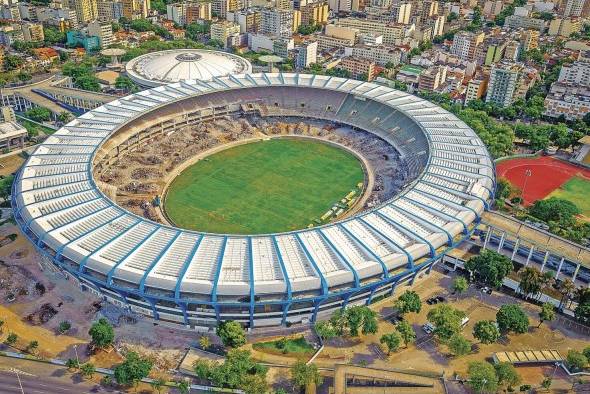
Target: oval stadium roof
160, 68
57, 203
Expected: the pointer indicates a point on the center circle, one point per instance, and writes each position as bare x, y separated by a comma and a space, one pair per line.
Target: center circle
275, 185
188, 57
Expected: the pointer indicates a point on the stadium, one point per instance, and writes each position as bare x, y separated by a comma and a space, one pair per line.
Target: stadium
196, 279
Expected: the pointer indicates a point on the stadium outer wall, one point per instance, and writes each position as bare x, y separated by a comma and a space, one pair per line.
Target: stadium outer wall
302, 309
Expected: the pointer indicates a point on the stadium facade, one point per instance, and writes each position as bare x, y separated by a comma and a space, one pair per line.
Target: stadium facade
196, 279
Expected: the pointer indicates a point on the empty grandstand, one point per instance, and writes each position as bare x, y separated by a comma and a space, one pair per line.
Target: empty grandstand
197, 279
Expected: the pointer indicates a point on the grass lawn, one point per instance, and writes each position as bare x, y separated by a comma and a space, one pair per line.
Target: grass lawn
577, 191
294, 346
267, 186
35, 129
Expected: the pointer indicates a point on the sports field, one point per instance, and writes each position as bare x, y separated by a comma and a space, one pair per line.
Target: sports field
546, 175
263, 187
576, 190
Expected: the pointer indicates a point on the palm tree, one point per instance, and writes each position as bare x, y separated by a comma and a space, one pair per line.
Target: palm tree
530, 281
547, 280
566, 288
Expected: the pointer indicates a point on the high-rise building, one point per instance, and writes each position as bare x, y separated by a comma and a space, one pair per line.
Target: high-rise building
564, 27
198, 11
529, 39
578, 72
177, 12
432, 78
340, 5
276, 22
465, 45
284, 4
490, 51
438, 24
359, 67
390, 32
222, 7
249, 20
136, 9
306, 54
476, 88
503, 83
314, 12
104, 32
33, 32
86, 10
109, 10
401, 12
223, 30
574, 8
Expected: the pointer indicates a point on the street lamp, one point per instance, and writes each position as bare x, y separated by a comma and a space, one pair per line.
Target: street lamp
77, 358
527, 175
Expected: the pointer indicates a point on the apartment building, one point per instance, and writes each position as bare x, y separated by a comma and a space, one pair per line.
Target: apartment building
381, 54
33, 32
276, 22
564, 27
86, 10
465, 45
504, 78
109, 10
314, 12
391, 33
306, 54
224, 29
198, 11
104, 32
136, 9
359, 67
432, 78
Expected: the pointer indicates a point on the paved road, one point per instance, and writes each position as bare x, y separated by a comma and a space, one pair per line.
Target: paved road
31, 384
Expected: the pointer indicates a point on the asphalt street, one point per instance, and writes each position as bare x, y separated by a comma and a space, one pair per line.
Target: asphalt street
23, 382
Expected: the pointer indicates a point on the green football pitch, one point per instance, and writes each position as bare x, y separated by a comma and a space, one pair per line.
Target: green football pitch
576, 190
262, 187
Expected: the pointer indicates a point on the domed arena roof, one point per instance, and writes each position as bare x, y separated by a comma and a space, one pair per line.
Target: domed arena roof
160, 68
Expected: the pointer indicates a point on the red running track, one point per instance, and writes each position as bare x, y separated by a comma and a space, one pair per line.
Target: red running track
547, 174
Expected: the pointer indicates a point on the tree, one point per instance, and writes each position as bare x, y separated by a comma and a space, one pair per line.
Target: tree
486, 331
459, 285
53, 36
158, 384
39, 114
64, 117
13, 62
566, 288
102, 333
32, 346
202, 368
446, 321
64, 327
547, 313
586, 352
325, 330
482, 377
360, 317
546, 383
391, 340
183, 386
576, 360
530, 281
231, 333
409, 301
507, 374
555, 209
11, 339
126, 84
303, 374
237, 372
582, 313
458, 345
489, 267
406, 332
511, 318
87, 370
132, 370
204, 342
72, 363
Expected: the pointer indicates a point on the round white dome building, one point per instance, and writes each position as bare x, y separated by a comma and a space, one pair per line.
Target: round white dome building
164, 67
